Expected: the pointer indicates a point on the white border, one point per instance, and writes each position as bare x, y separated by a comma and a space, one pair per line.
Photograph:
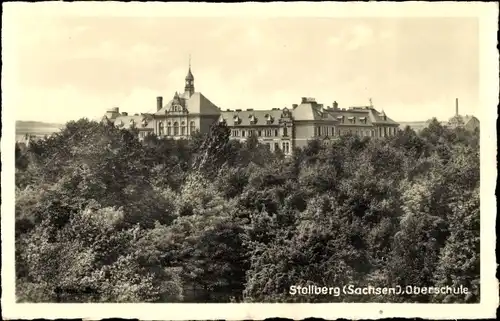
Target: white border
489, 89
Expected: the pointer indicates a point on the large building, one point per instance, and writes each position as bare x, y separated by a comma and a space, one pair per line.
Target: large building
468, 122
190, 111
182, 116
288, 128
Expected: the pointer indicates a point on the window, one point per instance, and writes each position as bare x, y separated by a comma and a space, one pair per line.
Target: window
243, 133
318, 131
260, 133
286, 147
285, 131
276, 147
333, 131
176, 129
276, 133
192, 127
183, 128
160, 129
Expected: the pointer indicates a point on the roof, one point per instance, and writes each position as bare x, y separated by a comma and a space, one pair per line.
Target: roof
189, 75
468, 118
196, 104
244, 117
356, 114
311, 111
462, 119
363, 116
143, 121
380, 117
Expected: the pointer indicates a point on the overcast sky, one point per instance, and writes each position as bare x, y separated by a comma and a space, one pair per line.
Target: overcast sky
412, 68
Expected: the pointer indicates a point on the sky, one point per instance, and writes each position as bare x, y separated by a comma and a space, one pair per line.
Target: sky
68, 67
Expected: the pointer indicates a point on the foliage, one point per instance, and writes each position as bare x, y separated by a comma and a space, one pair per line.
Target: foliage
104, 217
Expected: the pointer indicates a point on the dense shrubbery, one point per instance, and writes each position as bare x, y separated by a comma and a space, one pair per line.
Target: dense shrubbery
103, 217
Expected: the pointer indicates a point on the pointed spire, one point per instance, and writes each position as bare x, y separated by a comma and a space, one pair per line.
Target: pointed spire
190, 74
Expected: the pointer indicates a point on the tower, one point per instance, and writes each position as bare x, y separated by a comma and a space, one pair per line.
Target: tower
456, 106
189, 85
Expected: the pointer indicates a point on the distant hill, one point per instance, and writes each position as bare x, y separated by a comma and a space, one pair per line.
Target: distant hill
36, 124
35, 128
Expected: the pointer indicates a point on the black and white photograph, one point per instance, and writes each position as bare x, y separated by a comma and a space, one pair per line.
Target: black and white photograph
212, 158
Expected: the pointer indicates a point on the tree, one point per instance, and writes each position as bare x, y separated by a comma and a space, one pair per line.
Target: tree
459, 259
89, 259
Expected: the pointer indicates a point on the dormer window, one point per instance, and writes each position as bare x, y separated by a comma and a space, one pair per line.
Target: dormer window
144, 122
362, 119
269, 119
120, 123
132, 123
352, 120
253, 119
177, 108
340, 118
237, 120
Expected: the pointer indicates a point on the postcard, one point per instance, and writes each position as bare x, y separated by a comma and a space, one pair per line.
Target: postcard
198, 161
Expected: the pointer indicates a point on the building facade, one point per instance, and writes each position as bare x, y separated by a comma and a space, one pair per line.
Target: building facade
287, 128
182, 116
468, 122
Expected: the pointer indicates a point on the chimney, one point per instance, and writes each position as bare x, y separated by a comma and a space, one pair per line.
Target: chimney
456, 106
335, 105
294, 106
304, 100
159, 103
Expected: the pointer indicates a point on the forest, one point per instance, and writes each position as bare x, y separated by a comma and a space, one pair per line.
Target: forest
104, 217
